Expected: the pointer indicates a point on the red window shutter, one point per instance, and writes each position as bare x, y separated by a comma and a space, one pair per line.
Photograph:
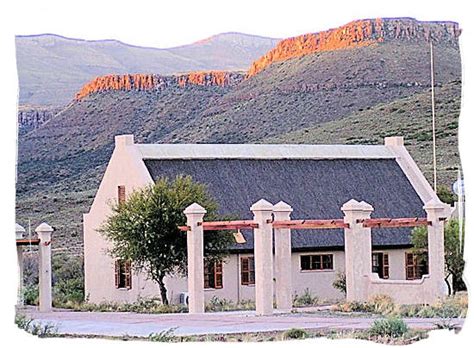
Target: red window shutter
218, 275
244, 270
409, 266
121, 194
128, 274
386, 268
117, 274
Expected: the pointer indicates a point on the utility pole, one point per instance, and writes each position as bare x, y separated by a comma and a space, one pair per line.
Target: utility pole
433, 117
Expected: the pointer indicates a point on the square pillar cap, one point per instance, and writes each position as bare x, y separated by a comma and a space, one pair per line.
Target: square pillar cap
434, 204
195, 209
124, 139
19, 228
393, 141
262, 205
358, 206
44, 227
282, 207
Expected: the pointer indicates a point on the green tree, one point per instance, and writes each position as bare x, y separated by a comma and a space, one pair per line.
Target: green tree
144, 229
453, 252
445, 194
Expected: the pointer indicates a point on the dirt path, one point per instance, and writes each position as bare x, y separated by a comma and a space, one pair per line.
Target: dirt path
134, 324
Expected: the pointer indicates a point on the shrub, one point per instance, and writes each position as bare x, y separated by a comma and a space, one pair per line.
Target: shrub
37, 329
381, 304
388, 327
306, 299
340, 282
295, 334
217, 304
163, 336
31, 295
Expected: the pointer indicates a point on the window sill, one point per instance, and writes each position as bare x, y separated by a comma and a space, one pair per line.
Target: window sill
248, 285
316, 270
123, 289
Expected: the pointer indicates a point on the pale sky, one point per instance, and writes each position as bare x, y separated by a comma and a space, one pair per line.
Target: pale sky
172, 23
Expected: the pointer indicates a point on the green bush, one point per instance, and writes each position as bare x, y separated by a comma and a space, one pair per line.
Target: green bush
31, 295
163, 336
381, 304
295, 334
37, 329
217, 304
306, 299
340, 282
388, 327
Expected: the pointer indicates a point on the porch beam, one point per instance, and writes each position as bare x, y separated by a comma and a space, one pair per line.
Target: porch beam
310, 224
398, 222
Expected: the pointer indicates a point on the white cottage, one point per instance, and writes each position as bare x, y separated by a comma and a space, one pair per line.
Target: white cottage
316, 180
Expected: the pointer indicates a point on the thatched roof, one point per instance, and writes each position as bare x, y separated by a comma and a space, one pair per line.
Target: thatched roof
315, 188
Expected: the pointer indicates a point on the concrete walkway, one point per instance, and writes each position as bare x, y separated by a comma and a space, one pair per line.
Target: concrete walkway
134, 324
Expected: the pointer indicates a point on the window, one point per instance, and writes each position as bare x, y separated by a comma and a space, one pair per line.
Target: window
316, 262
247, 270
213, 275
416, 265
380, 265
121, 194
123, 274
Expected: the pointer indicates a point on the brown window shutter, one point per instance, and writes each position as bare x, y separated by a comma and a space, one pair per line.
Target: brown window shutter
409, 266
244, 270
386, 268
218, 275
121, 194
128, 274
117, 274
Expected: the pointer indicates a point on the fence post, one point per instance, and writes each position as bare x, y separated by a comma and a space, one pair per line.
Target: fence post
194, 215
436, 213
284, 301
263, 245
44, 232
357, 249
19, 234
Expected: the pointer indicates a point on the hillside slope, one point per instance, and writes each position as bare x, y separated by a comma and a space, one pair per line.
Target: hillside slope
53, 68
62, 161
410, 117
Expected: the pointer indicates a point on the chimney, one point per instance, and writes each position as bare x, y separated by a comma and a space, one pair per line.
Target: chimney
394, 141
124, 140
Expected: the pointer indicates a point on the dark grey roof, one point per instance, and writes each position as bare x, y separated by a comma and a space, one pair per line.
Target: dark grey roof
315, 188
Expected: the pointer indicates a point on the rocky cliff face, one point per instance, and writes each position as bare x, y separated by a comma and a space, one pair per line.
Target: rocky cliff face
31, 117
357, 34
153, 82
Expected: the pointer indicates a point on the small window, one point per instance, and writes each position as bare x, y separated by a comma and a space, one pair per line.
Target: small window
316, 262
416, 265
123, 274
247, 270
121, 194
380, 265
213, 275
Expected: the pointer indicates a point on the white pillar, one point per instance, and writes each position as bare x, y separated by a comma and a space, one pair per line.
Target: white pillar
19, 233
284, 301
263, 255
357, 250
436, 213
45, 297
195, 214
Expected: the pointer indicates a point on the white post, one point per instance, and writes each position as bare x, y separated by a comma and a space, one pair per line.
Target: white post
357, 249
19, 233
44, 232
284, 301
436, 213
263, 245
195, 214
